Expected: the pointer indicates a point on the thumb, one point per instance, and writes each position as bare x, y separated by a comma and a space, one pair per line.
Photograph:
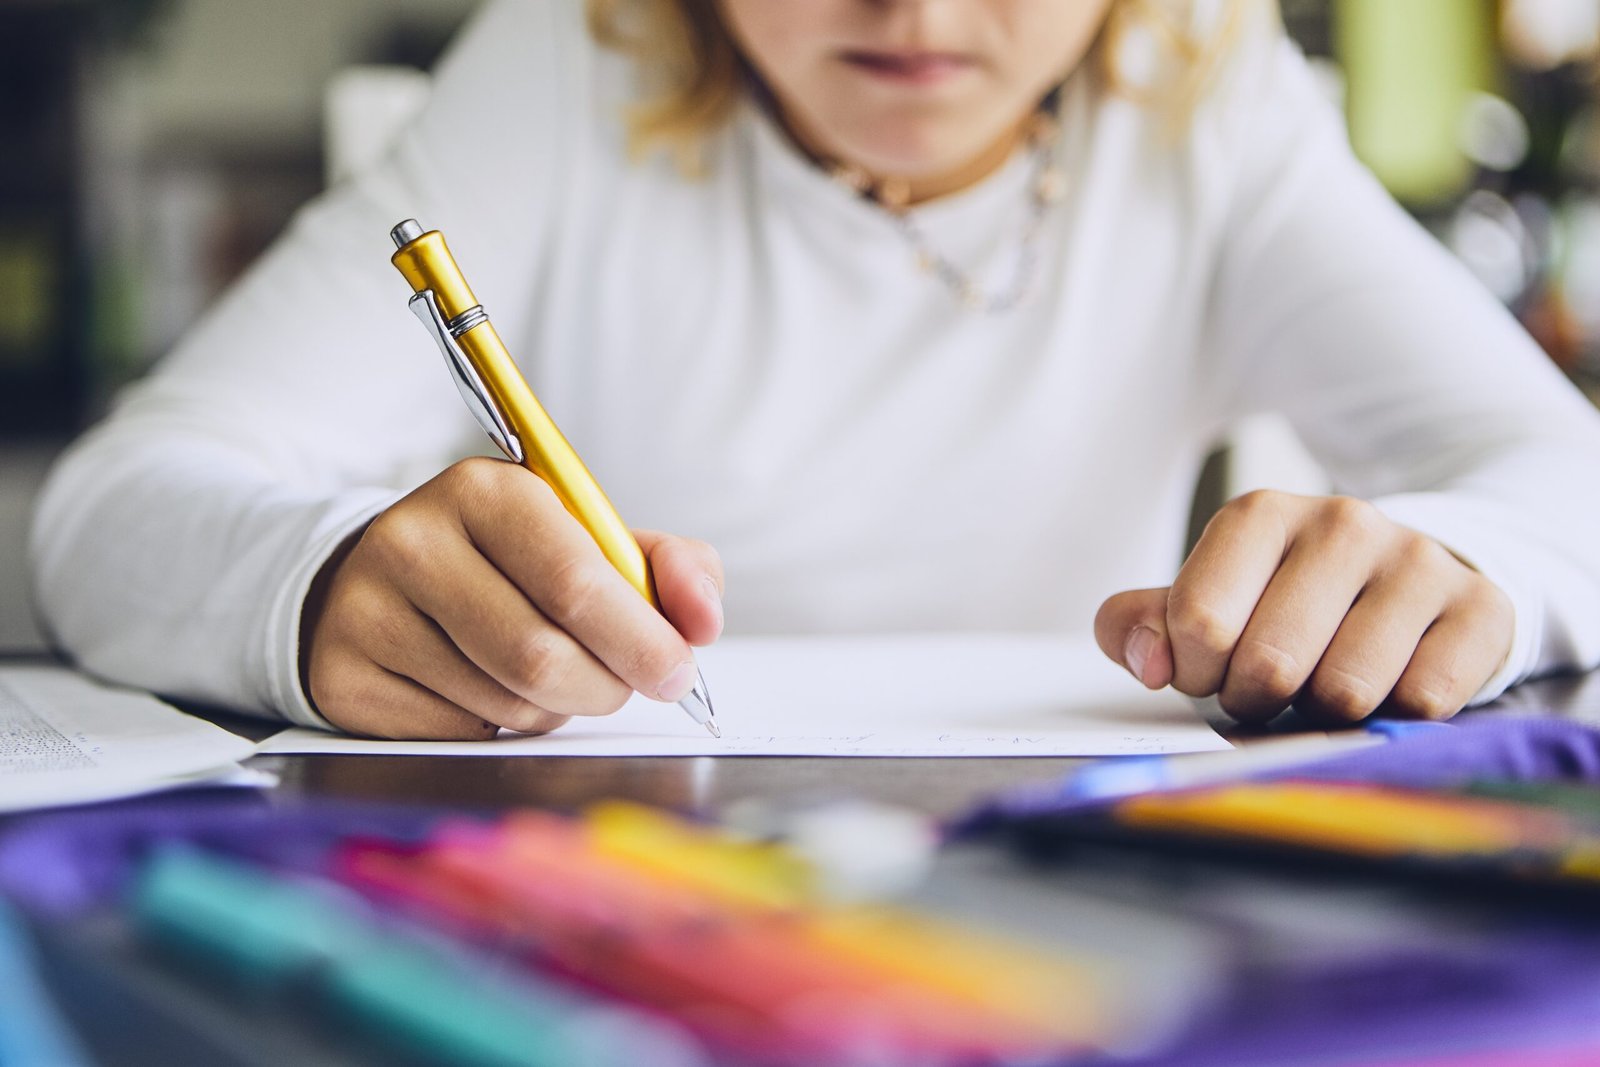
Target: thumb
1131, 628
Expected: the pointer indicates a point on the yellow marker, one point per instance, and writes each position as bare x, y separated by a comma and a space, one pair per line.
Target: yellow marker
1357, 820
506, 408
735, 871
1043, 993
1581, 860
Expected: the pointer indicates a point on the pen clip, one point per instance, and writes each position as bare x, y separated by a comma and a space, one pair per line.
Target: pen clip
426, 308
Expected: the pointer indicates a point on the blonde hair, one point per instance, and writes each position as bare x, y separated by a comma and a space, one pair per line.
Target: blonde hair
694, 74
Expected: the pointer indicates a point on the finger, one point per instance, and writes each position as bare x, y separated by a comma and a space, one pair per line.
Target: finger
1458, 654
419, 650
689, 583
506, 638
525, 532
1219, 586
1377, 639
364, 699
1131, 629
1295, 620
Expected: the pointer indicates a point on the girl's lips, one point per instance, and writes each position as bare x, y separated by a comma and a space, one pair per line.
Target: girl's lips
910, 68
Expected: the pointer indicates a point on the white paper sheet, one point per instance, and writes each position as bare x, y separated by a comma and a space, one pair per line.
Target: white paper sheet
943, 695
65, 739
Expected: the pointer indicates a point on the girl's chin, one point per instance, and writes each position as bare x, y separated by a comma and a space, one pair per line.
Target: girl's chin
915, 152
913, 163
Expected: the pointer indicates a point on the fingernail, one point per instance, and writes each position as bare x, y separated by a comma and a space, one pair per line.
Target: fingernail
678, 683
714, 597
1136, 653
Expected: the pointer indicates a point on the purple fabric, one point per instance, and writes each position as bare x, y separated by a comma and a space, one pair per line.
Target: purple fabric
1524, 750
1510, 992
57, 863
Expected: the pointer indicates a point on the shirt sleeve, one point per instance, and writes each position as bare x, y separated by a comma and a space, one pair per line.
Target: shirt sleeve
173, 545
1407, 380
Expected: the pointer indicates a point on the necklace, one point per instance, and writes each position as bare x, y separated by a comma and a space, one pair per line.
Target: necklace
1048, 184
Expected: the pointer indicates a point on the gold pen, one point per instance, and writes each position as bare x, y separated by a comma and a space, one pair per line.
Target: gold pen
499, 397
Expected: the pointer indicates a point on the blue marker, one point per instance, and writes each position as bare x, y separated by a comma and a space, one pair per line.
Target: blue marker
31, 1029
1120, 777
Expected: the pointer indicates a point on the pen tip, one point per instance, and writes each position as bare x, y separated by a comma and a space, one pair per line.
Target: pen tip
713, 728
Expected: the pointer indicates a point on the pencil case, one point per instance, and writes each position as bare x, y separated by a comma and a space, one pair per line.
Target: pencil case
1495, 805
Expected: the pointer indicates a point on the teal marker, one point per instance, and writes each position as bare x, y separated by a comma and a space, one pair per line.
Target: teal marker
260, 932
410, 989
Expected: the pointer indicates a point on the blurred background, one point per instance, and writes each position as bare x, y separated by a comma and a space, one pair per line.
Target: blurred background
154, 147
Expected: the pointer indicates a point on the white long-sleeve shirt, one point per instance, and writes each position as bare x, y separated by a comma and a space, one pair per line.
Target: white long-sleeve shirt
752, 357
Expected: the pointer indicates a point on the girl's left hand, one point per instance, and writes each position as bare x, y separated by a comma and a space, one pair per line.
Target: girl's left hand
1317, 601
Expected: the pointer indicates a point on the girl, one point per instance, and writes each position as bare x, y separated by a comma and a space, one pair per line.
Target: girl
921, 311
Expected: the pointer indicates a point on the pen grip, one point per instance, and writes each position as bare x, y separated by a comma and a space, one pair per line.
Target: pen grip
547, 454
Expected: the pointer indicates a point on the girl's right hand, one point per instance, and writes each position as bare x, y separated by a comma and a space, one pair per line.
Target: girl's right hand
477, 602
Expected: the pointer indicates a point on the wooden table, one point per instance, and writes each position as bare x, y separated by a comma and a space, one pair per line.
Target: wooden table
708, 784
